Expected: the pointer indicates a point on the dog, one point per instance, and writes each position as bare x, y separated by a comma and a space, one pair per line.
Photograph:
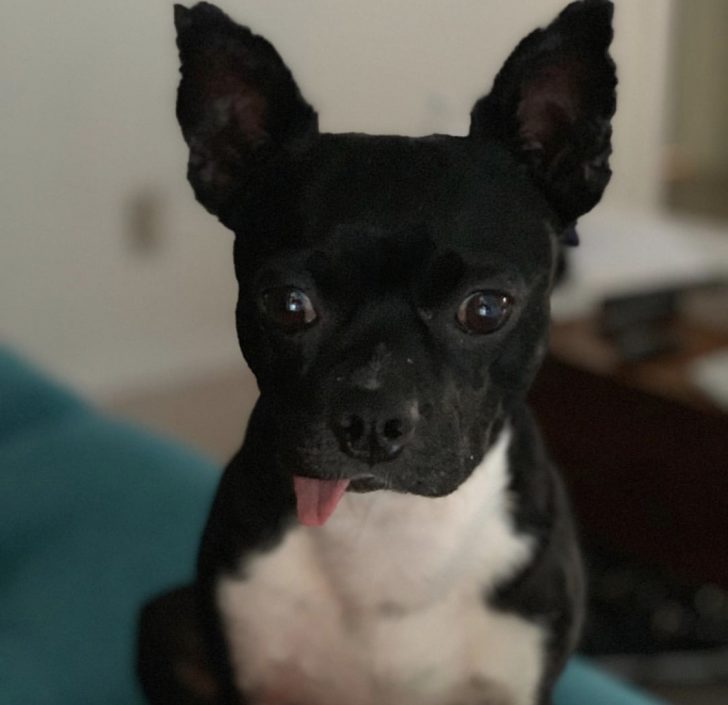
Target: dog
391, 531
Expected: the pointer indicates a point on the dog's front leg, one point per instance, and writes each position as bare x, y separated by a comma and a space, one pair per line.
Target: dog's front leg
173, 662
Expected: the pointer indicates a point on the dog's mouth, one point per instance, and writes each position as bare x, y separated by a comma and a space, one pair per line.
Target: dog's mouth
317, 499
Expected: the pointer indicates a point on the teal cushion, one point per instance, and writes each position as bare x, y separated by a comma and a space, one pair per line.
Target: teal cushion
28, 399
582, 684
95, 517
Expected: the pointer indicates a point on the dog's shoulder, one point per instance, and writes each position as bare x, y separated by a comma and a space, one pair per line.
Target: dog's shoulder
550, 588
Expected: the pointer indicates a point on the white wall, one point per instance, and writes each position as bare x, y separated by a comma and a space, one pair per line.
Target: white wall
87, 125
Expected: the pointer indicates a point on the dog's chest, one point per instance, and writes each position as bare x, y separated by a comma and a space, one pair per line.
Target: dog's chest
384, 605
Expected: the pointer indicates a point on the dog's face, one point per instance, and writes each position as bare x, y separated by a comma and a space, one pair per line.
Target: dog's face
394, 291
395, 306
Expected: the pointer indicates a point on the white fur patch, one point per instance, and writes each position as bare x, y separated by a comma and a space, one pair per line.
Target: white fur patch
384, 605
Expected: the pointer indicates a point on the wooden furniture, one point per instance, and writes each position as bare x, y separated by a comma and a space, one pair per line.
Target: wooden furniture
644, 454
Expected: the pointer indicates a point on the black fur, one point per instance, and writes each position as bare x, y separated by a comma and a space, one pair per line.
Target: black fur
387, 237
551, 588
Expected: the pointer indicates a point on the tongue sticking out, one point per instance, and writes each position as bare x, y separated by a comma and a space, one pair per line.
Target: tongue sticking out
317, 499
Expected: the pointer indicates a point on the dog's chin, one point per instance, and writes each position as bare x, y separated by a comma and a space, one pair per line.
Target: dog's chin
395, 476
371, 483
422, 489
367, 484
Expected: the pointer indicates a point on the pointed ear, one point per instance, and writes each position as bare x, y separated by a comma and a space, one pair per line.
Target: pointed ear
551, 106
237, 104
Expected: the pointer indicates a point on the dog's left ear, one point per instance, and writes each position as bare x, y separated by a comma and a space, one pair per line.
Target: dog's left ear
551, 106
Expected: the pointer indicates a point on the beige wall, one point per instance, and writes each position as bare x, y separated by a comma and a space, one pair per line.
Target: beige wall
701, 107
87, 127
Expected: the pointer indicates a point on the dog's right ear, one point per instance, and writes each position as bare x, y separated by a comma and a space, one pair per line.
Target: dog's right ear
237, 104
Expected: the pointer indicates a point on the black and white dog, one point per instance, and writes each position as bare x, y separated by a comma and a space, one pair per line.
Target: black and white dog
391, 531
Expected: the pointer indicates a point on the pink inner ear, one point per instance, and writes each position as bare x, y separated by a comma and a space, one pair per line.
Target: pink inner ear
249, 109
551, 102
233, 102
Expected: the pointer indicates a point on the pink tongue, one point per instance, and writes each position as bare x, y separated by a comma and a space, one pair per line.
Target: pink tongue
317, 499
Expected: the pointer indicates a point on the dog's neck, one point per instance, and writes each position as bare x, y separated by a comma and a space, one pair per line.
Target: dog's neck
368, 597
404, 551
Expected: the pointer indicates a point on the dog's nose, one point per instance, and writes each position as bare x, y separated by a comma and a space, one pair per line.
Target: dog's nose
376, 437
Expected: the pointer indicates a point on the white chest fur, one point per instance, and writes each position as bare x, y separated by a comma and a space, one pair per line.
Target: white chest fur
384, 604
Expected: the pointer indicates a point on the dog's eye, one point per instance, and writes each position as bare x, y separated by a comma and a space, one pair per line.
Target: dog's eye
290, 309
484, 312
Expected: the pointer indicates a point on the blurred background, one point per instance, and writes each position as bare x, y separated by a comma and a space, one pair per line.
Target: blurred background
113, 278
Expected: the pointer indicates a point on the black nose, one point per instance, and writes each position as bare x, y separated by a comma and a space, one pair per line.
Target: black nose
376, 436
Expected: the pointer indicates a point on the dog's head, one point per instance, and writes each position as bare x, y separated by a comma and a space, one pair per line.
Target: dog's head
394, 291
